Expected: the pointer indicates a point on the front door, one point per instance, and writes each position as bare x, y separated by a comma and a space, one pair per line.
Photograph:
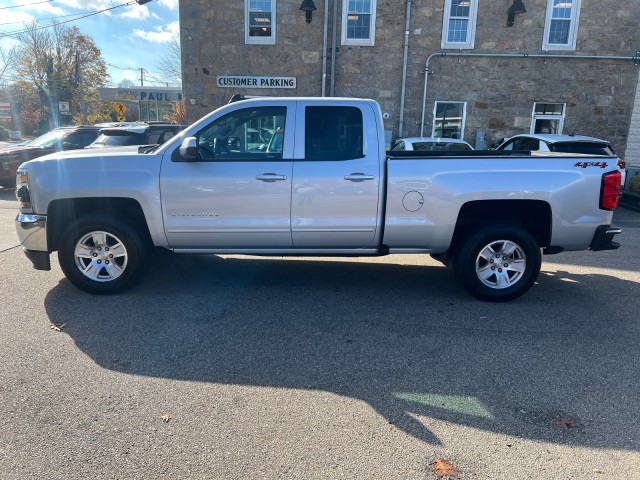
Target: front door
238, 193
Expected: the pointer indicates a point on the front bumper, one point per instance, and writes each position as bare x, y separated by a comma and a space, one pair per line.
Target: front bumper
603, 238
32, 233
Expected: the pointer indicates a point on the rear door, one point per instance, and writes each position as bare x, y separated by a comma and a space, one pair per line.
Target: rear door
238, 194
336, 176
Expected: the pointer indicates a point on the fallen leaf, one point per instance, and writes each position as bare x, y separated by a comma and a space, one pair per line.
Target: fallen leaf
166, 418
565, 422
597, 470
444, 468
57, 326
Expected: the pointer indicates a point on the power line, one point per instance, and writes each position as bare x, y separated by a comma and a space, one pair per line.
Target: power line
26, 4
128, 4
49, 18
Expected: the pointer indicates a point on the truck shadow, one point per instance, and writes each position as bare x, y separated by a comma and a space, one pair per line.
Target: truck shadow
405, 339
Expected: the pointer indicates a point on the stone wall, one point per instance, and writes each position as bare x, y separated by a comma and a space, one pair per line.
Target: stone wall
632, 153
499, 92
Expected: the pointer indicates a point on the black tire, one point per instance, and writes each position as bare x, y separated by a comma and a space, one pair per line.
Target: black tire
498, 263
103, 255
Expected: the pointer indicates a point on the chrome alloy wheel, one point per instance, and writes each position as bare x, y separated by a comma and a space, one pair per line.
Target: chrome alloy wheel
101, 256
501, 264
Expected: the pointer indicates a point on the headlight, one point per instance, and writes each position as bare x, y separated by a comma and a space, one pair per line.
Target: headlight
22, 189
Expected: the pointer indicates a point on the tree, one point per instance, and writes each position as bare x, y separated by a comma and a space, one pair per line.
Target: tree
126, 83
32, 112
7, 60
179, 114
170, 64
61, 64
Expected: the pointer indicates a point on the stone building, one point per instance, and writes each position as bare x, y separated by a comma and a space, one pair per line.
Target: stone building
479, 70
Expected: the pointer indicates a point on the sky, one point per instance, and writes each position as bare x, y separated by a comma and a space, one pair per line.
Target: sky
130, 36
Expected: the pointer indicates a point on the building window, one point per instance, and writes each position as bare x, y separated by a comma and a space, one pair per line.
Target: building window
561, 25
547, 117
259, 22
449, 119
459, 24
359, 22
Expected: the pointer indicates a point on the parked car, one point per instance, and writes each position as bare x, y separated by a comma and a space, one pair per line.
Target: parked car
557, 143
62, 138
136, 134
430, 144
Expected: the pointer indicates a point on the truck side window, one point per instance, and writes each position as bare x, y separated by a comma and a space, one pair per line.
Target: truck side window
253, 133
333, 133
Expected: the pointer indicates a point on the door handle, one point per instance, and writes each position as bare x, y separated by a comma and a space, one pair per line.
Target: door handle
358, 177
270, 177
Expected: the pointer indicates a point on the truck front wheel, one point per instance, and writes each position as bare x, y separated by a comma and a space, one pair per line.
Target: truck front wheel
498, 263
102, 255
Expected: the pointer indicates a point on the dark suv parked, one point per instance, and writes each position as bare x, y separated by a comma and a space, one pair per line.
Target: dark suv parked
136, 134
62, 138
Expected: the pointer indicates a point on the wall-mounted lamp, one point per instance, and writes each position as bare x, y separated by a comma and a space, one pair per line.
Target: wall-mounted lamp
516, 8
308, 7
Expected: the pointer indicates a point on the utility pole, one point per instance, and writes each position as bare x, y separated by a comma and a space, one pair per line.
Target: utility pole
83, 107
142, 77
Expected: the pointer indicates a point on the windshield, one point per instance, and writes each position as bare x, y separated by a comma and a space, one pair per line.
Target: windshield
589, 148
440, 146
48, 139
122, 139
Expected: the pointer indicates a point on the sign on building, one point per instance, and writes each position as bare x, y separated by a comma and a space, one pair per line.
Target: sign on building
235, 81
5, 112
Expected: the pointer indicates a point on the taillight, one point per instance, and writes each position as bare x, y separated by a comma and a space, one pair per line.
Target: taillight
610, 190
622, 164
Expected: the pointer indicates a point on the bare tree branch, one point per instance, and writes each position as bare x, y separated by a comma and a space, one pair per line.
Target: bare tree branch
8, 59
169, 65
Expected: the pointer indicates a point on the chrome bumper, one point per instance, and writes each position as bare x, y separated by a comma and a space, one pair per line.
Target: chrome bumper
32, 232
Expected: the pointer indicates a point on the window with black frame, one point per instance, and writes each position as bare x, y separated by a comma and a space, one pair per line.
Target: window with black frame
333, 133
248, 134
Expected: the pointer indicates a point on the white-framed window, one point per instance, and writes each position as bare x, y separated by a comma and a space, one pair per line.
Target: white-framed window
547, 117
561, 25
459, 24
260, 22
359, 22
448, 119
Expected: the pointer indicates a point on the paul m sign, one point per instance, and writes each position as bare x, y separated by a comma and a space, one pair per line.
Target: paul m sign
234, 81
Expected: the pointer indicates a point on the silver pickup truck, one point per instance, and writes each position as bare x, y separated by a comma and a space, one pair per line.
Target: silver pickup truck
310, 176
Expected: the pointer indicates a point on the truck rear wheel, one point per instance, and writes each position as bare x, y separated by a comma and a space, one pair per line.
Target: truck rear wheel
102, 255
498, 263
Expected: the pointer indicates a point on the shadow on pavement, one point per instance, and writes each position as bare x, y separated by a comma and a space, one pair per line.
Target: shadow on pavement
405, 339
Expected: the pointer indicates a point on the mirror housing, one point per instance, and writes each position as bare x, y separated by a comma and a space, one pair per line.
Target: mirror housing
189, 148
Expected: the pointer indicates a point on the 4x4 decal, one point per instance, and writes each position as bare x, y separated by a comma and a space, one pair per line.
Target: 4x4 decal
591, 164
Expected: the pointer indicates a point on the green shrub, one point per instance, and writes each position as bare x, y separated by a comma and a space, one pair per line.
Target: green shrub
4, 133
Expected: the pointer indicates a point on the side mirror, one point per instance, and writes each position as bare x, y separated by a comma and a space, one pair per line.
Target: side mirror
189, 148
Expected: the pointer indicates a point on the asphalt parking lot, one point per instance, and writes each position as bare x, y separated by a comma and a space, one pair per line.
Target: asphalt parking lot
233, 367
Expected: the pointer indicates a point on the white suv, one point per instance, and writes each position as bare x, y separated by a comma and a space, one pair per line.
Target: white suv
558, 143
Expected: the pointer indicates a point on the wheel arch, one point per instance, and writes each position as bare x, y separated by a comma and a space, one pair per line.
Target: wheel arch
63, 212
531, 215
